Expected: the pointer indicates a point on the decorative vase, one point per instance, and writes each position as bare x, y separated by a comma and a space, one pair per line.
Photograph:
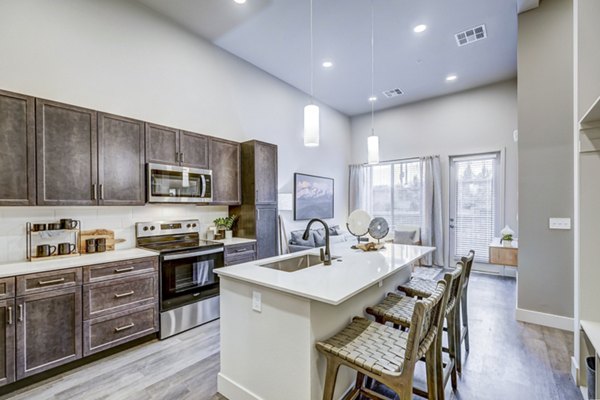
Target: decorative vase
228, 234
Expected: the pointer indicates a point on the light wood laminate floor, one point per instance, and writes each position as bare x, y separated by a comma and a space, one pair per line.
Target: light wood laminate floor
508, 360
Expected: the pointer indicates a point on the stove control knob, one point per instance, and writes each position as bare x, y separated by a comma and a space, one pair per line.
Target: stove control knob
193, 225
189, 226
152, 228
145, 228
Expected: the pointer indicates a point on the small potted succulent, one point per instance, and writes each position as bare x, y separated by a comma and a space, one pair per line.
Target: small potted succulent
507, 236
226, 224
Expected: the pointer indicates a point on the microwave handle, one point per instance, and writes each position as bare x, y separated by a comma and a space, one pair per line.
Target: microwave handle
192, 254
203, 185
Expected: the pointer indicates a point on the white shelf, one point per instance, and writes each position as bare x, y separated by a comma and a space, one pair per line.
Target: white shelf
591, 118
592, 330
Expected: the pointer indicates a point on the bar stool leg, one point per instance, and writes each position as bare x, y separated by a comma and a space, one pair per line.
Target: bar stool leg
458, 340
452, 341
465, 318
330, 377
432, 370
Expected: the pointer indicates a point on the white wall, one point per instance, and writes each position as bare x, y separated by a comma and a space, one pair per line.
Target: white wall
121, 57
474, 121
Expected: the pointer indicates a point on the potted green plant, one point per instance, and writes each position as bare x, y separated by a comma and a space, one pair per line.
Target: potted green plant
226, 224
507, 240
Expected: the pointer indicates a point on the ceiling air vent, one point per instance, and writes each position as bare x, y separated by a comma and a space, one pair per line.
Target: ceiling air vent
392, 93
471, 35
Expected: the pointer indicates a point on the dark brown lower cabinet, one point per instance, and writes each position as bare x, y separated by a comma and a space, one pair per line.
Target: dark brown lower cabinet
7, 342
266, 232
48, 330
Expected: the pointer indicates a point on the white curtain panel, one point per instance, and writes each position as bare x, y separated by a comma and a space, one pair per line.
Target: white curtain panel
432, 228
359, 188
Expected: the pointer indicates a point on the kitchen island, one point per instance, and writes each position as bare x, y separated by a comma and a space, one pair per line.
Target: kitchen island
271, 318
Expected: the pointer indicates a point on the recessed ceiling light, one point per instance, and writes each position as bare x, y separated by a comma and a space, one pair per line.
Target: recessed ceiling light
420, 28
240, 1
327, 64
451, 77
372, 99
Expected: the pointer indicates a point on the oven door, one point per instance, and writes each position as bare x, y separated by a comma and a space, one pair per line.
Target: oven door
189, 277
175, 184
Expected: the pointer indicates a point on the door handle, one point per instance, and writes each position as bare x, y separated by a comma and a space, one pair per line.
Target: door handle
101, 192
451, 226
9, 315
182, 156
94, 192
20, 312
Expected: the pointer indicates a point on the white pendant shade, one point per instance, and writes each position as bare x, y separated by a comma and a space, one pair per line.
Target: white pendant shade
373, 149
311, 125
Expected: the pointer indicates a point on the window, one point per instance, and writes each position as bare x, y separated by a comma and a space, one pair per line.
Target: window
396, 191
474, 204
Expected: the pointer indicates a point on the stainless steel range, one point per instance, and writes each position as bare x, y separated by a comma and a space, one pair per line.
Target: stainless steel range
189, 289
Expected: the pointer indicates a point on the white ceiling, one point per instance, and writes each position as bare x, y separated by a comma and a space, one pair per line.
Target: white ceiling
274, 36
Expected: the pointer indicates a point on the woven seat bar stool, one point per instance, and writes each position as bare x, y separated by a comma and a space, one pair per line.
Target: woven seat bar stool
396, 307
423, 287
383, 353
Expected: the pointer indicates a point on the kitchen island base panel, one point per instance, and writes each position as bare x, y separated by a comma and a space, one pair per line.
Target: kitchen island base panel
273, 351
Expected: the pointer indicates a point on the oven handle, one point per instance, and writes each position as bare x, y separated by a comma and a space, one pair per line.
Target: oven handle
191, 254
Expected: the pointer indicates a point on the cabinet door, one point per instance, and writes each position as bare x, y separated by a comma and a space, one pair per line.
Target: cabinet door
193, 149
266, 232
66, 140
265, 158
49, 330
7, 342
17, 150
225, 165
120, 160
162, 144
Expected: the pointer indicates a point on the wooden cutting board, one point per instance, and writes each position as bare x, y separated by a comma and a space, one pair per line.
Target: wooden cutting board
107, 234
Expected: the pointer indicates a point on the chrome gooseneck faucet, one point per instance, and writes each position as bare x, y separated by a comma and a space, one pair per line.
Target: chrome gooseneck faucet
326, 256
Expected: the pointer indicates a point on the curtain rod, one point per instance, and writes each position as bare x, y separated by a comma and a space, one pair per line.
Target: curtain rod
398, 160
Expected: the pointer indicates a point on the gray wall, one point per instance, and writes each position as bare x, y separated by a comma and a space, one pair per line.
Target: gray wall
470, 122
545, 98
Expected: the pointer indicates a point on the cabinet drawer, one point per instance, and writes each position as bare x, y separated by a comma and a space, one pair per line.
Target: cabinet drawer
44, 281
7, 288
504, 256
104, 298
236, 249
115, 329
240, 258
121, 269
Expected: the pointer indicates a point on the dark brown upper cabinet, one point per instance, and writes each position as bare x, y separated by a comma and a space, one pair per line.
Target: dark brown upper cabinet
224, 161
17, 149
66, 141
259, 163
121, 161
172, 146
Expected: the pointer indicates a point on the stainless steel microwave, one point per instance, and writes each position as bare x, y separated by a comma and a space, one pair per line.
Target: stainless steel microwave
175, 184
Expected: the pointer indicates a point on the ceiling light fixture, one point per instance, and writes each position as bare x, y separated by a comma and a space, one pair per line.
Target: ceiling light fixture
240, 1
327, 64
373, 140
311, 111
450, 78
420, 28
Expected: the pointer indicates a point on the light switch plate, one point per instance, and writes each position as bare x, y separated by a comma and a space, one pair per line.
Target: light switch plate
560, 223
256, 301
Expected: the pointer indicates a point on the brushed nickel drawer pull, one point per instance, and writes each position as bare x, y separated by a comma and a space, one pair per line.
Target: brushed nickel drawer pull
9, 311
119, 295
50, 282
241, 250
122, 328
20, 312
127, 269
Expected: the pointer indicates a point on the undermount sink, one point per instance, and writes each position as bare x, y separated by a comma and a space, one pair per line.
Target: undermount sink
295, 263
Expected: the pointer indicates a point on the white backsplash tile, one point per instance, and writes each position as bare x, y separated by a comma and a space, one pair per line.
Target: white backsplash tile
120, 219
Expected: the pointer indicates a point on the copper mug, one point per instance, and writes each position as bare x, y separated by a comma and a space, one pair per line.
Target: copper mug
66, 248
45, 250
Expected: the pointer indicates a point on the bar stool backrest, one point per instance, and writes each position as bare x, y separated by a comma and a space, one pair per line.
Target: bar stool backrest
468, 263
426, 317
454, 280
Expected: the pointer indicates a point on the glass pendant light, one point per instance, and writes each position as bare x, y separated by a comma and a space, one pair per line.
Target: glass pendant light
311, 111
373, 140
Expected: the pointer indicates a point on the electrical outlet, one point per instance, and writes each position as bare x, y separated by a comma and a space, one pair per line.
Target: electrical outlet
380, 283
256, 301
559, 223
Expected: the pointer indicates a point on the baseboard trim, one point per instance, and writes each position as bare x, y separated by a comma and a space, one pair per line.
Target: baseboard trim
549, 320
232, 390
575, 370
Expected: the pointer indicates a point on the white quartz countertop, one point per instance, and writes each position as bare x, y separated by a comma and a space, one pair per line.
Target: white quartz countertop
235, 240
30, 267
333, 284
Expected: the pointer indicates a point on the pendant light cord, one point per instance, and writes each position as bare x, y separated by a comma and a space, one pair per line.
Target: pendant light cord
311, 54
372, 69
